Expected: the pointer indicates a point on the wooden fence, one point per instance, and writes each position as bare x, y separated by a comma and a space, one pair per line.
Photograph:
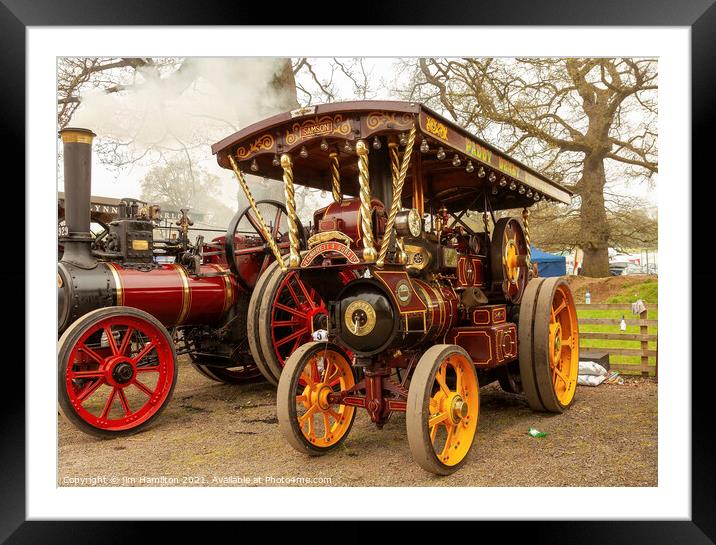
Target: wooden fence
640, 339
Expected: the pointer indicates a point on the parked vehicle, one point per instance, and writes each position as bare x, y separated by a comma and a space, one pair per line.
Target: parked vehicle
129, 304
420, 308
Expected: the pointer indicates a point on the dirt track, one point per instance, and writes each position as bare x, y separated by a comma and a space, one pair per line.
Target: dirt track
212, 431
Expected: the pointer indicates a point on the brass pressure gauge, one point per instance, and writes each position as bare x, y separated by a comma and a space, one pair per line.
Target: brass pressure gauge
359, 318
409, 223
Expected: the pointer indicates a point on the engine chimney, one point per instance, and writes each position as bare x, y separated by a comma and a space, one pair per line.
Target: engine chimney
77, 145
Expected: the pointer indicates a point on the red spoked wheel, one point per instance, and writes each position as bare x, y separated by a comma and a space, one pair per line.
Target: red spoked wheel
297, 312
289, 311
117, 371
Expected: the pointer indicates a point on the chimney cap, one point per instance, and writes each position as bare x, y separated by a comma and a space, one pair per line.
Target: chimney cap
76, 134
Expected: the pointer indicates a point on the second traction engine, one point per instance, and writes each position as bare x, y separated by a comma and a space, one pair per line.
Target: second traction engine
135, 297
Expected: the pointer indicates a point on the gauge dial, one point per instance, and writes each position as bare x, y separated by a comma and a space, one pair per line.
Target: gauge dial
359, 318
415, 223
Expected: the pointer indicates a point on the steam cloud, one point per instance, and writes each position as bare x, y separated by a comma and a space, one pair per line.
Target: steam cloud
182, 112
202, 102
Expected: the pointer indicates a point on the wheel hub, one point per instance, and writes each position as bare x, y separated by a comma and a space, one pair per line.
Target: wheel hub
556, 342
458, 408
319, 320
323, 394
318, 395
316, 318
511, 261
122, 371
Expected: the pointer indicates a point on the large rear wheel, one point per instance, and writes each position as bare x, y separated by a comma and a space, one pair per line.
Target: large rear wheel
549, 345
284, 311
291, 311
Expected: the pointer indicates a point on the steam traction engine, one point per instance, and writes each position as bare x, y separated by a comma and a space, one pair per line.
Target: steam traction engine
124, 317
428, 294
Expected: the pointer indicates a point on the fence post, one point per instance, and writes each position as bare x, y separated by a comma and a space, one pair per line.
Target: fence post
644, 330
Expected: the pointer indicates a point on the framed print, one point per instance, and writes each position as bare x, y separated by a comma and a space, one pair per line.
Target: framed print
316, 255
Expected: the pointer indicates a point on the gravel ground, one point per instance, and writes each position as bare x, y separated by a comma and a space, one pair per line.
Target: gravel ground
213, 434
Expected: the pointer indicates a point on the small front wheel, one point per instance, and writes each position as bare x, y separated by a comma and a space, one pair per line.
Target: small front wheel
306, 417
443, 409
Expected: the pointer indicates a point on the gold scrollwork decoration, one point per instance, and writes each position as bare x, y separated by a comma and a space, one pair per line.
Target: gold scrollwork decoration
263, 142
381, 119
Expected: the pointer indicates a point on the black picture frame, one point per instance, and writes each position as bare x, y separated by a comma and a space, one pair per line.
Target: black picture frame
699, 15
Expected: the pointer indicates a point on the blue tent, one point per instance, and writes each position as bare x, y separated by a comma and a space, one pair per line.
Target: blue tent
549, 264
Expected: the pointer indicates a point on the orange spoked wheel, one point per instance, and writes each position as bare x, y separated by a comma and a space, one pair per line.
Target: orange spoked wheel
549, 345
443, 409
306, 416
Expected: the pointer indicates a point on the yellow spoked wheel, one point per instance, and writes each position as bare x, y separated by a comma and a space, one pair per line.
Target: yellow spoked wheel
508, 255
308, 420
443, 409
549, 344
510, 261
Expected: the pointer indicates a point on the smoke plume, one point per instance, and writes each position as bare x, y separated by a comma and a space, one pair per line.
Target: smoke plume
202, 101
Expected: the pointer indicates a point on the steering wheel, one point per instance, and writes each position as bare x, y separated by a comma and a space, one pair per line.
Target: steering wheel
247, 252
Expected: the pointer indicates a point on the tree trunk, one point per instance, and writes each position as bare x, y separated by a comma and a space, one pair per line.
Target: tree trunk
594, 230
284, 83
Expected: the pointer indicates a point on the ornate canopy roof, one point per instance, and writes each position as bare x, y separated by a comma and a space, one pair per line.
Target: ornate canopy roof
310, 134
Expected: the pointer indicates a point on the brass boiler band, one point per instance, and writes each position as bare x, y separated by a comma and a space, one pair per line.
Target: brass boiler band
440, 317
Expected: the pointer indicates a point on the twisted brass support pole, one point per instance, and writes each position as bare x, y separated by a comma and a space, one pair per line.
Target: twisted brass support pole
262, 224
366, 225
526, 229
335, 177
397, 192
394, 160
395, 170
294, 259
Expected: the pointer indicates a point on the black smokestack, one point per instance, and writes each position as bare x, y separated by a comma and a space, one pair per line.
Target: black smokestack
77, 145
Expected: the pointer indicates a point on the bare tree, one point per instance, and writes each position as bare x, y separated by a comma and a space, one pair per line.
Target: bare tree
148, 89
180, 184
571, 118
76, 75
325, 80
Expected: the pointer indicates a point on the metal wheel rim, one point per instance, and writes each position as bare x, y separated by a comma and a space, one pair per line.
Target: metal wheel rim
460, 432
564, 338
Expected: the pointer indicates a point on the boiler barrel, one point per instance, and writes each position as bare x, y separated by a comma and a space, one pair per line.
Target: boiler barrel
168, 292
